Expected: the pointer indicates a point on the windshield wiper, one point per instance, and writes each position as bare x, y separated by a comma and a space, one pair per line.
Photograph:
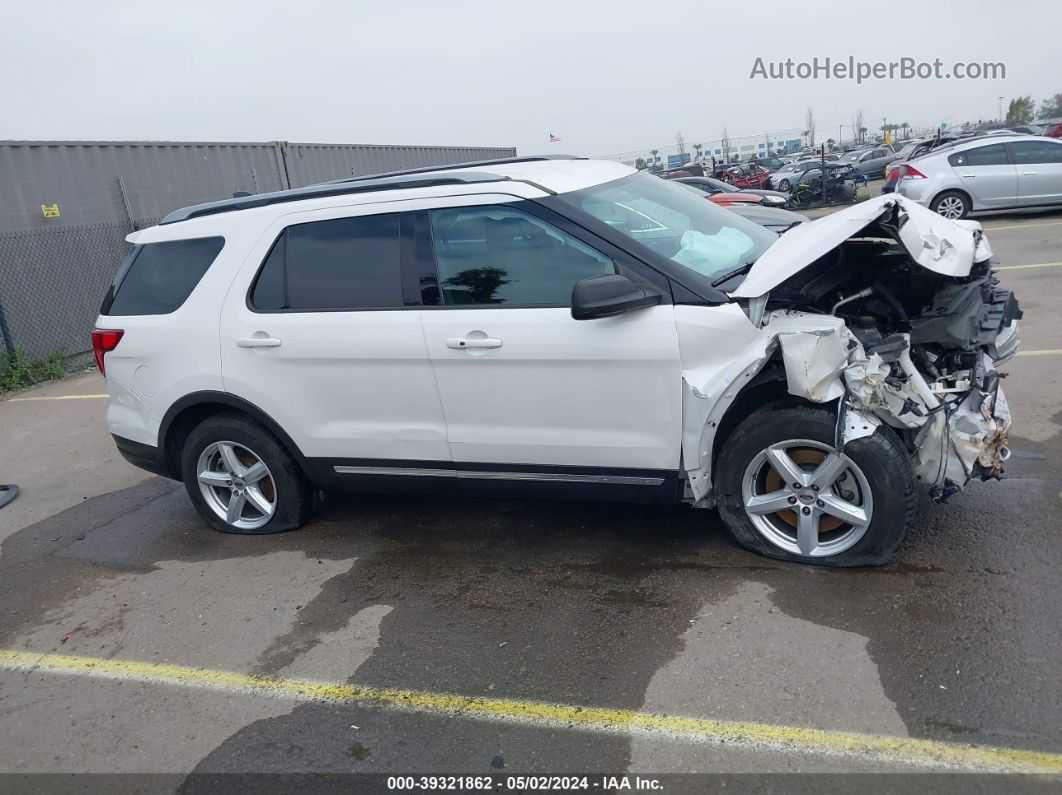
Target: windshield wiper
736, 272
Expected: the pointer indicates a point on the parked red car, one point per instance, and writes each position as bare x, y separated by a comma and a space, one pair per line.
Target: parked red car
747, 176
1054, 132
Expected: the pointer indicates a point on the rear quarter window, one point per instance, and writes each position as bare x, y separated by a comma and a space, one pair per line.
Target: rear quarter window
156, 278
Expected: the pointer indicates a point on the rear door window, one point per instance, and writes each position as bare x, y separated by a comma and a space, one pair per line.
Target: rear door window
157, 278
338, 264
994, 155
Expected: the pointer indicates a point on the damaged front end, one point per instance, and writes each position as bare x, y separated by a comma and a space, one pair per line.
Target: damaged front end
896, 315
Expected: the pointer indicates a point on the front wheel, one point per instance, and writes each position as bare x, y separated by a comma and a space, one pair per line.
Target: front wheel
784, 185
786, 492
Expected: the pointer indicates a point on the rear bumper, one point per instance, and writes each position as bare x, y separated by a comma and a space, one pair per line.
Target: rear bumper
142, 455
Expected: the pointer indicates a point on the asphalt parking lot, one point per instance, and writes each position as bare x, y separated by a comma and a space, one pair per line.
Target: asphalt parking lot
575, 637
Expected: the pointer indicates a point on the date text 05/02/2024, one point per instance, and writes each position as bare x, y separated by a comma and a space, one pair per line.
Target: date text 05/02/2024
540, 783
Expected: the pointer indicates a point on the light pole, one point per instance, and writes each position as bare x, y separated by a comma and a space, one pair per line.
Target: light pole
1000, 117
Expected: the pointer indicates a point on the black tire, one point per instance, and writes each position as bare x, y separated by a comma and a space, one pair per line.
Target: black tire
881, 456
784, 185
951, 196
295, 501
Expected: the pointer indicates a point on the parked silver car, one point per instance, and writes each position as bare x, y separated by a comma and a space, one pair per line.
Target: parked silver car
870, 162
788, 177
985, 174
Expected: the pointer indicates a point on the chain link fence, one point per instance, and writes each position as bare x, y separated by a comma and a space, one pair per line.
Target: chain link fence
66, 208
52, 283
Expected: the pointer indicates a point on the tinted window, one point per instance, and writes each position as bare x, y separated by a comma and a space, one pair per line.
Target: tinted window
994, 155
345, 263
498, 255
1029, 152
270, 292
158, 277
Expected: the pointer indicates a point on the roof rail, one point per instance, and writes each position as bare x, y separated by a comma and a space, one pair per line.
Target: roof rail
391, 180
327, 189
452, 166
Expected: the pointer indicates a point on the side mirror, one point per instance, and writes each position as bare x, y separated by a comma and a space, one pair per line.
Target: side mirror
606, 296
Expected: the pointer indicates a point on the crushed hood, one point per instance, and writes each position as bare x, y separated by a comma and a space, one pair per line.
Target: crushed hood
947, 247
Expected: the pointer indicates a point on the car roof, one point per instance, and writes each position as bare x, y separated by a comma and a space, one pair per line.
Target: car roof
550, 173
980, 140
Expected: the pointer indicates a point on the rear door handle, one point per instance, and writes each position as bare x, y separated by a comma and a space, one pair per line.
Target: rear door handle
968, 176
1028, 173
257, 342
463, 343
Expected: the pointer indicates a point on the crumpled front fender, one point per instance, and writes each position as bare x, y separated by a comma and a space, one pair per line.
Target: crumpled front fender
824, 362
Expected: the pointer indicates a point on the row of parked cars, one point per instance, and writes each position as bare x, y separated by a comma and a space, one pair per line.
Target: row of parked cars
953, 175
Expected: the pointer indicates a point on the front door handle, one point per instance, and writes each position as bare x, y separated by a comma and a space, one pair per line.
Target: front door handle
464, 343
257, 342
968, 176
1028, 173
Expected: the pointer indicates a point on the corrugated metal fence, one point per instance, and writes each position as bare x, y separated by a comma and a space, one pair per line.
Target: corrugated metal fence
66, 207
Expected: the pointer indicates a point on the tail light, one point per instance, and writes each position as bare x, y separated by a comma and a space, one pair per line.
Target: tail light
105, 340
908, 172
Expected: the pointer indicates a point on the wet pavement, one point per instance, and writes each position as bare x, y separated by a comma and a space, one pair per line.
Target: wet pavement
642, 608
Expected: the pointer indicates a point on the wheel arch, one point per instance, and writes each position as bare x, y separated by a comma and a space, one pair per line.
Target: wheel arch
769, 386
186, 413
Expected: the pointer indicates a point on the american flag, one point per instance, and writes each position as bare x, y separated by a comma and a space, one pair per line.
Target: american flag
553, 138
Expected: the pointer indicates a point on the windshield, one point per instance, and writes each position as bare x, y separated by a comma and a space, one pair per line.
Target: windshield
675, 222
851, 157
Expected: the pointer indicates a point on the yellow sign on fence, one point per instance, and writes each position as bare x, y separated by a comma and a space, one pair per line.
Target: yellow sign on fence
50, 210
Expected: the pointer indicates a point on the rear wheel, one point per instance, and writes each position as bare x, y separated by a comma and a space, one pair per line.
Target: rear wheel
951, 204
787, 492
241, 479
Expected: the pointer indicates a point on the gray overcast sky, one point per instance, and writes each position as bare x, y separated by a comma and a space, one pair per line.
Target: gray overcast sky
604, 76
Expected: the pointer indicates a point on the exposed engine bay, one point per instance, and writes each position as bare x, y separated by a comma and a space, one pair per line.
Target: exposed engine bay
875, 324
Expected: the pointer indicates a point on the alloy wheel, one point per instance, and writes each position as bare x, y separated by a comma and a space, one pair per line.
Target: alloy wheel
807, 498
951, 207
237, 485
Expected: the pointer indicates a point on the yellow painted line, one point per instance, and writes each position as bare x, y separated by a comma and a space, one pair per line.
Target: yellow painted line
1020, 226
1037, 265
749, 735
56, 397
1047, 352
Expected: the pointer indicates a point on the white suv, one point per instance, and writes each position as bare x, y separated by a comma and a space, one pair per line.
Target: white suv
561, 327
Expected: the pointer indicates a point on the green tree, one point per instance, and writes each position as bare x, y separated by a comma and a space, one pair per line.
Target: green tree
1020, 110
639, 163
1051, 108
